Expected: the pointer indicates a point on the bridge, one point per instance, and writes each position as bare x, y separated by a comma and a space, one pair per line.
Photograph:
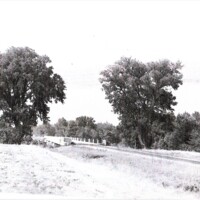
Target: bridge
64, 141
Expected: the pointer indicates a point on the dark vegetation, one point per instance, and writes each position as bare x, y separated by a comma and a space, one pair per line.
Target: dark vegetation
27, 85
185, 134
81, 127
140, 93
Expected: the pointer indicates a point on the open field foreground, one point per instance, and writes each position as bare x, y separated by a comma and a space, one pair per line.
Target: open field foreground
80, 172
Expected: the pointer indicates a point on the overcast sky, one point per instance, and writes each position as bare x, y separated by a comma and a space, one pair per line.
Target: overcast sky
83, 37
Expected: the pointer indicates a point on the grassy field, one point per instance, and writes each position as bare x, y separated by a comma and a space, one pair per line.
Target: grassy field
168, 173
80, 172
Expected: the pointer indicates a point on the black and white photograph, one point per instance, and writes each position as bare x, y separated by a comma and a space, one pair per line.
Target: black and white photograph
99, 99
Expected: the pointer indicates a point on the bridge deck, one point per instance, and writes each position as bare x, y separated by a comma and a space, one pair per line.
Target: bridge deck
63, 141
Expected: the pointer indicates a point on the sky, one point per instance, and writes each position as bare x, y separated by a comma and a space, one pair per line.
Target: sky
83, 37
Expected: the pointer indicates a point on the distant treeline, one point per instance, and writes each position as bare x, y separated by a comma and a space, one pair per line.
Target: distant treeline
184, 133
81, 127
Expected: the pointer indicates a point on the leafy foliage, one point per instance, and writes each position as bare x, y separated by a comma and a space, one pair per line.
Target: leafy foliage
85, 121
108, 132
142, 94
61, 127
82, 127
185, 134
27, 85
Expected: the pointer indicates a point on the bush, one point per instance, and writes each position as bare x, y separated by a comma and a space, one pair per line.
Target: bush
27, 139
6, 133
195, 140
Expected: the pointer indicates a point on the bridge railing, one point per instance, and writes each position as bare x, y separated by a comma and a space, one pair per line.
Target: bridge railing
68, 140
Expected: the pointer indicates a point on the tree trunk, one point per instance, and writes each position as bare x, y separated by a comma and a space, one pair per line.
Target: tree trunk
141, 142
19, 133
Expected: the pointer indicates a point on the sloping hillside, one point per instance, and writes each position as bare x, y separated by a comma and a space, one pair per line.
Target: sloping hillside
82, 173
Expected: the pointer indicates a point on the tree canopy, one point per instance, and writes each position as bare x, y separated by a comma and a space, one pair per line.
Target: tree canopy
27, 85
84, 121
142, 94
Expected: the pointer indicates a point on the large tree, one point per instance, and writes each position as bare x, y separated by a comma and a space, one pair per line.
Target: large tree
27, 86
142, 94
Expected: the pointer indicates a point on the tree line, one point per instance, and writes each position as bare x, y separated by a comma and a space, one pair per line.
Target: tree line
140, 93
184, 134
81, 127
